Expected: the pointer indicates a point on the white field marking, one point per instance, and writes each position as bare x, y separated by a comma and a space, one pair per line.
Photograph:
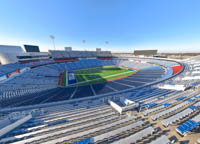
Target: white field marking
94, 67
102, 77
101, 67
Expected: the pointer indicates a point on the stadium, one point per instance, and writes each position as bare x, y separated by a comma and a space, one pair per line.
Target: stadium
100, 72
85, 97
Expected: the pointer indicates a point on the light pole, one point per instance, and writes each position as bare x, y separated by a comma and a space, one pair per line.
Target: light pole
52, 37
106, 43
83, 41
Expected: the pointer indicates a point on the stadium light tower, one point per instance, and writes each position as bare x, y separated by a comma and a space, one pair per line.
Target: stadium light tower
83, 41
52, 37
106, 43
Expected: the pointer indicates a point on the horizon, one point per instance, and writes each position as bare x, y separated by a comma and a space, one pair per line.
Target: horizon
168, 26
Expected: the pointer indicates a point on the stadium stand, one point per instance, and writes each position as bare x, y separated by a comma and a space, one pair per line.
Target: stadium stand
82, 114
38, 78
161, 140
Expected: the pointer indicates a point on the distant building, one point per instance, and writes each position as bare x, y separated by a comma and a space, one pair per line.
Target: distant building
145, 52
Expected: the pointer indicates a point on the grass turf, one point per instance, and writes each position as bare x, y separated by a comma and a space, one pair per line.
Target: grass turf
100, 74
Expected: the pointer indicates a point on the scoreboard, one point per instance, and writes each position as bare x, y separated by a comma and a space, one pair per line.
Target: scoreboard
31, 48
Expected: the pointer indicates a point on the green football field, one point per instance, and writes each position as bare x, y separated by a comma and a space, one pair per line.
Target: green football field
100, 74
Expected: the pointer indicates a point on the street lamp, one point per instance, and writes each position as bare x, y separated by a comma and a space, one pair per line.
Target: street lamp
52, 37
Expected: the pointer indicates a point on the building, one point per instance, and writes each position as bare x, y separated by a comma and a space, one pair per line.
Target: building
8, 54
33, 56
145, 52
68, 48
15, 54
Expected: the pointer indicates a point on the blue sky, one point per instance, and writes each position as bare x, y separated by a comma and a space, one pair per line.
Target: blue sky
166, 25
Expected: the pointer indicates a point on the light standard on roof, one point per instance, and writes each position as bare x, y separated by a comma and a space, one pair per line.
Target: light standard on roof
52, 37
83, 41
106, 43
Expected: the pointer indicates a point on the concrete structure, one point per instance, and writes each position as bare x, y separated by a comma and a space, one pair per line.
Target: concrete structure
173, 87
98, 49
33, 56
68, 48
8, 54
128, 105
14, 125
